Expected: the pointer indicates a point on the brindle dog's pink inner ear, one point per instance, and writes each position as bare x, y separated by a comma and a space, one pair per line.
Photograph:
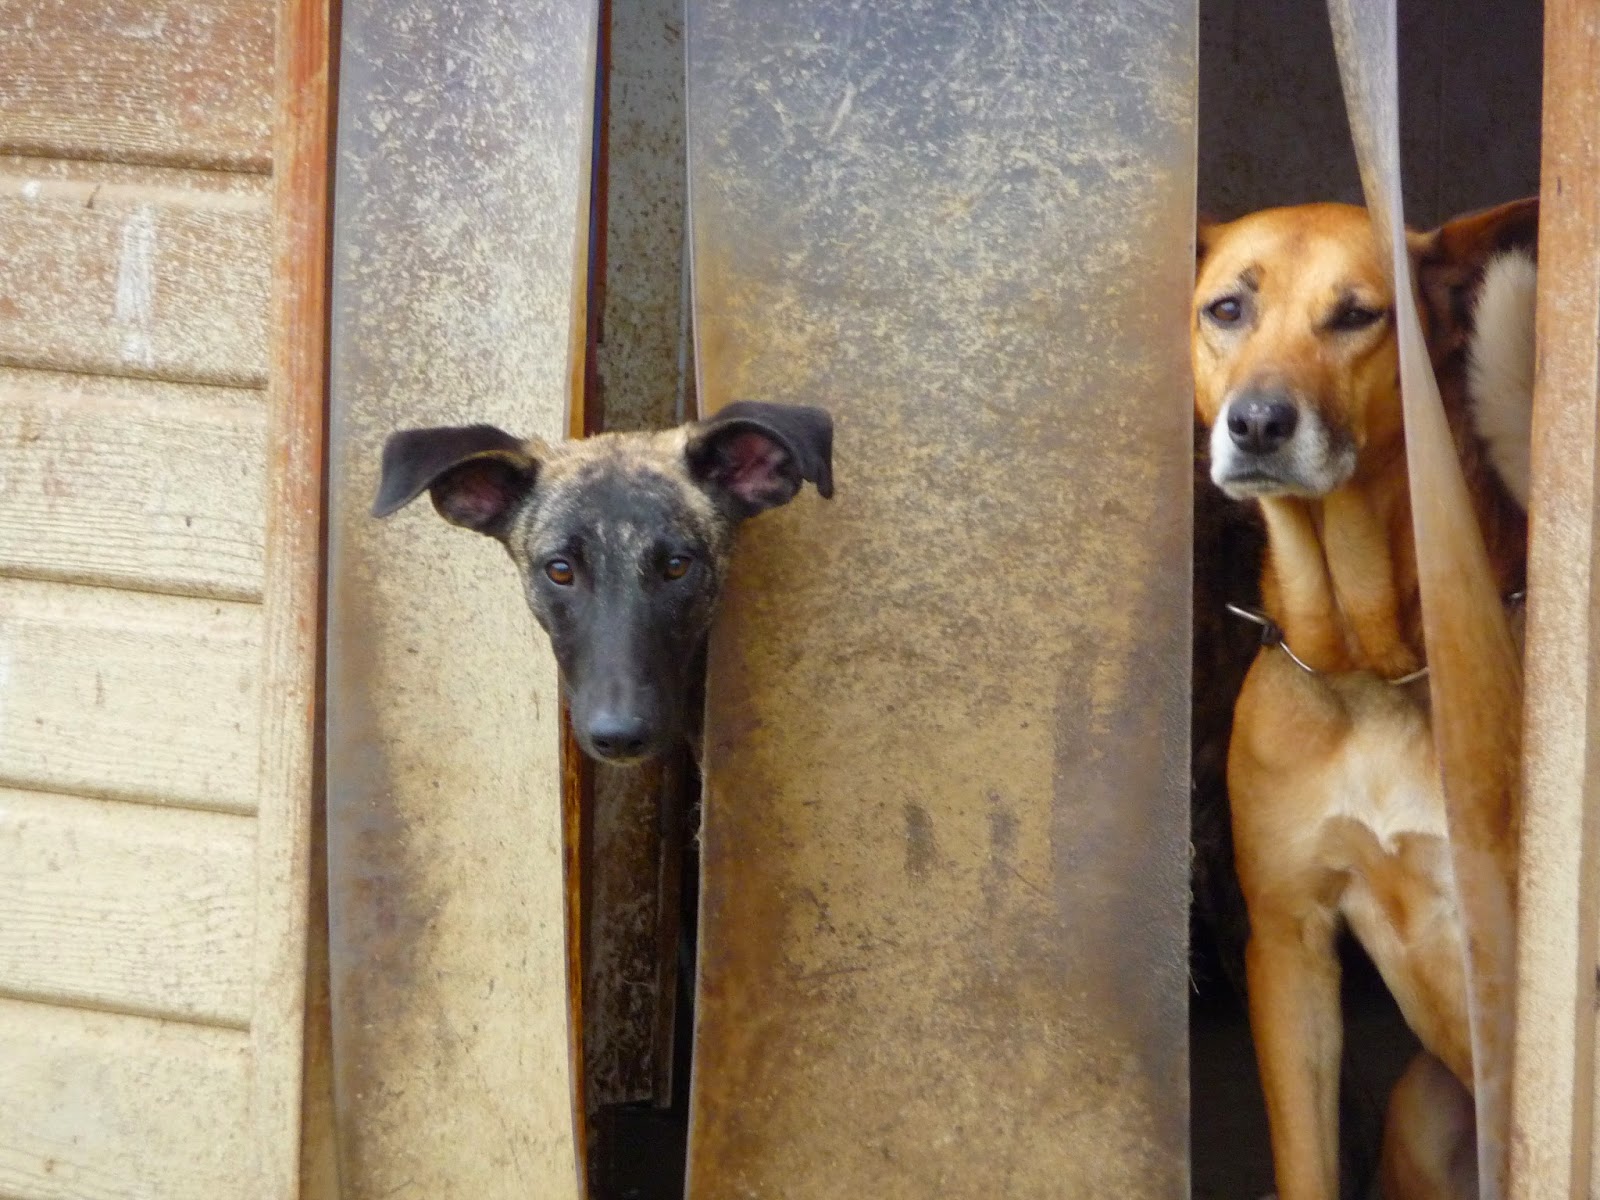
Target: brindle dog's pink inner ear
474, 474
758, 455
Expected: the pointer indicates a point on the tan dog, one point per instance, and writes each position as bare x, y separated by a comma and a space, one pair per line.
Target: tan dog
1338, 812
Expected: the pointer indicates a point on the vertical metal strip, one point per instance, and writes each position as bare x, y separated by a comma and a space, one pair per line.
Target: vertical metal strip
1553, 1100
945, 837
461, 238
1475, 678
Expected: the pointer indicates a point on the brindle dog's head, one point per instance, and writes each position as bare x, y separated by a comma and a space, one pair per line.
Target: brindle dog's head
622, 541
1296, 365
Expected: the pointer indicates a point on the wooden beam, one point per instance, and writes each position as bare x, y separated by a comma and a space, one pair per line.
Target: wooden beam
1553, 1094
291, 658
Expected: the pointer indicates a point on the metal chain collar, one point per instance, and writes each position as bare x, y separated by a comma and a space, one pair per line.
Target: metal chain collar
1272, 635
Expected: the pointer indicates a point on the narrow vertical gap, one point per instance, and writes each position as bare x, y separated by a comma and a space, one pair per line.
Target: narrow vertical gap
594, 412
639, 860
577, 773
320, 1158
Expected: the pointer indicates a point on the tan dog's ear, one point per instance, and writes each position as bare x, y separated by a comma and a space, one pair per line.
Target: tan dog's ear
1449, 262
1205, 232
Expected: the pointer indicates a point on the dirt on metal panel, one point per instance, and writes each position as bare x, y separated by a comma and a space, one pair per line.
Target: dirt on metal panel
460, 213
945, 873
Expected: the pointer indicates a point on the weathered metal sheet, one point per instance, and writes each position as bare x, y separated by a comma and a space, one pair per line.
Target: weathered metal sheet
1475, 671
945, 839
460, 226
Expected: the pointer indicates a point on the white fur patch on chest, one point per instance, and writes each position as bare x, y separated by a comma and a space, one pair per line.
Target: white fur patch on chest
1385, 780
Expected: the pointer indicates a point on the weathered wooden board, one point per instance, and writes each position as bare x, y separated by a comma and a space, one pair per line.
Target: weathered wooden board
134, 484
127, 696
191, 700
291, 664
461, 221
167, 82
126, 907
1554, 1099
944, 892
100, 1106
128, 276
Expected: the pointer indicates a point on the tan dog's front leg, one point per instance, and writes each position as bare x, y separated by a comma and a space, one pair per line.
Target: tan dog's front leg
1293, 976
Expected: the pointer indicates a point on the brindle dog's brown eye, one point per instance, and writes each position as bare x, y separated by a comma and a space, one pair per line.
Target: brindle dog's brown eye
560, 571
677, 566
1225, 311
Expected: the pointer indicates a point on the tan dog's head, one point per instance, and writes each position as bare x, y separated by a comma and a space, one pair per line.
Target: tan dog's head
1292, 337
1296, 366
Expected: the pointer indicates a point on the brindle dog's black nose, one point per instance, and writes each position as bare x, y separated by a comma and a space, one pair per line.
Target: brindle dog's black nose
1260, 424
618, 734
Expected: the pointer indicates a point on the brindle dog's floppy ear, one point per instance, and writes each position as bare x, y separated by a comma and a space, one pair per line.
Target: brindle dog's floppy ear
1449, 263
475, 474
757, 454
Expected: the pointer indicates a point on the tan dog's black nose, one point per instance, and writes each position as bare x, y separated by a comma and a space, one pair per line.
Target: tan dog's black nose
1259, 423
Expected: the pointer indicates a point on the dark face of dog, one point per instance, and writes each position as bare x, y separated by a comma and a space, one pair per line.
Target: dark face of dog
622, 542
1293, 343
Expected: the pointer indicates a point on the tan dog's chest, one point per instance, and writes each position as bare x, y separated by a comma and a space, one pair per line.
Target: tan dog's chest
1339, 815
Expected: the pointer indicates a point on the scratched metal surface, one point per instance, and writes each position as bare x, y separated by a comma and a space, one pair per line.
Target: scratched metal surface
945, 837
460, 209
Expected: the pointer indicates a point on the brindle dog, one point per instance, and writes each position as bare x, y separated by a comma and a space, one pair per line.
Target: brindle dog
622, 541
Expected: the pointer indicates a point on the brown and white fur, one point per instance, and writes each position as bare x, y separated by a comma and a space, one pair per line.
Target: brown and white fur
1337, 808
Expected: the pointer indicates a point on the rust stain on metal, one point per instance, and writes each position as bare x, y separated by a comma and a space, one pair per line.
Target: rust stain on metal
945, 844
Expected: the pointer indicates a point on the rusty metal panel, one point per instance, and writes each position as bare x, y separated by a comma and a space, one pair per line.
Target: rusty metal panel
460, 229
945, 840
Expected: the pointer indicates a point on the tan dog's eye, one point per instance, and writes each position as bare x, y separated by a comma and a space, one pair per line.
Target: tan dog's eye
560, 571
1351, 317
1225, 311
677, 566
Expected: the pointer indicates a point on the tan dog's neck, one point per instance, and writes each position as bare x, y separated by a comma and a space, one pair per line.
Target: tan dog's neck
1341, 579
1296, 380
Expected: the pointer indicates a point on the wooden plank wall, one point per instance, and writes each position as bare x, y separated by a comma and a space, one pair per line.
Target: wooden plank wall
162, 174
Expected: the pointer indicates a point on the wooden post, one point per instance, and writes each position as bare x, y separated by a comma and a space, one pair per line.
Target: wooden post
1553, 1094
